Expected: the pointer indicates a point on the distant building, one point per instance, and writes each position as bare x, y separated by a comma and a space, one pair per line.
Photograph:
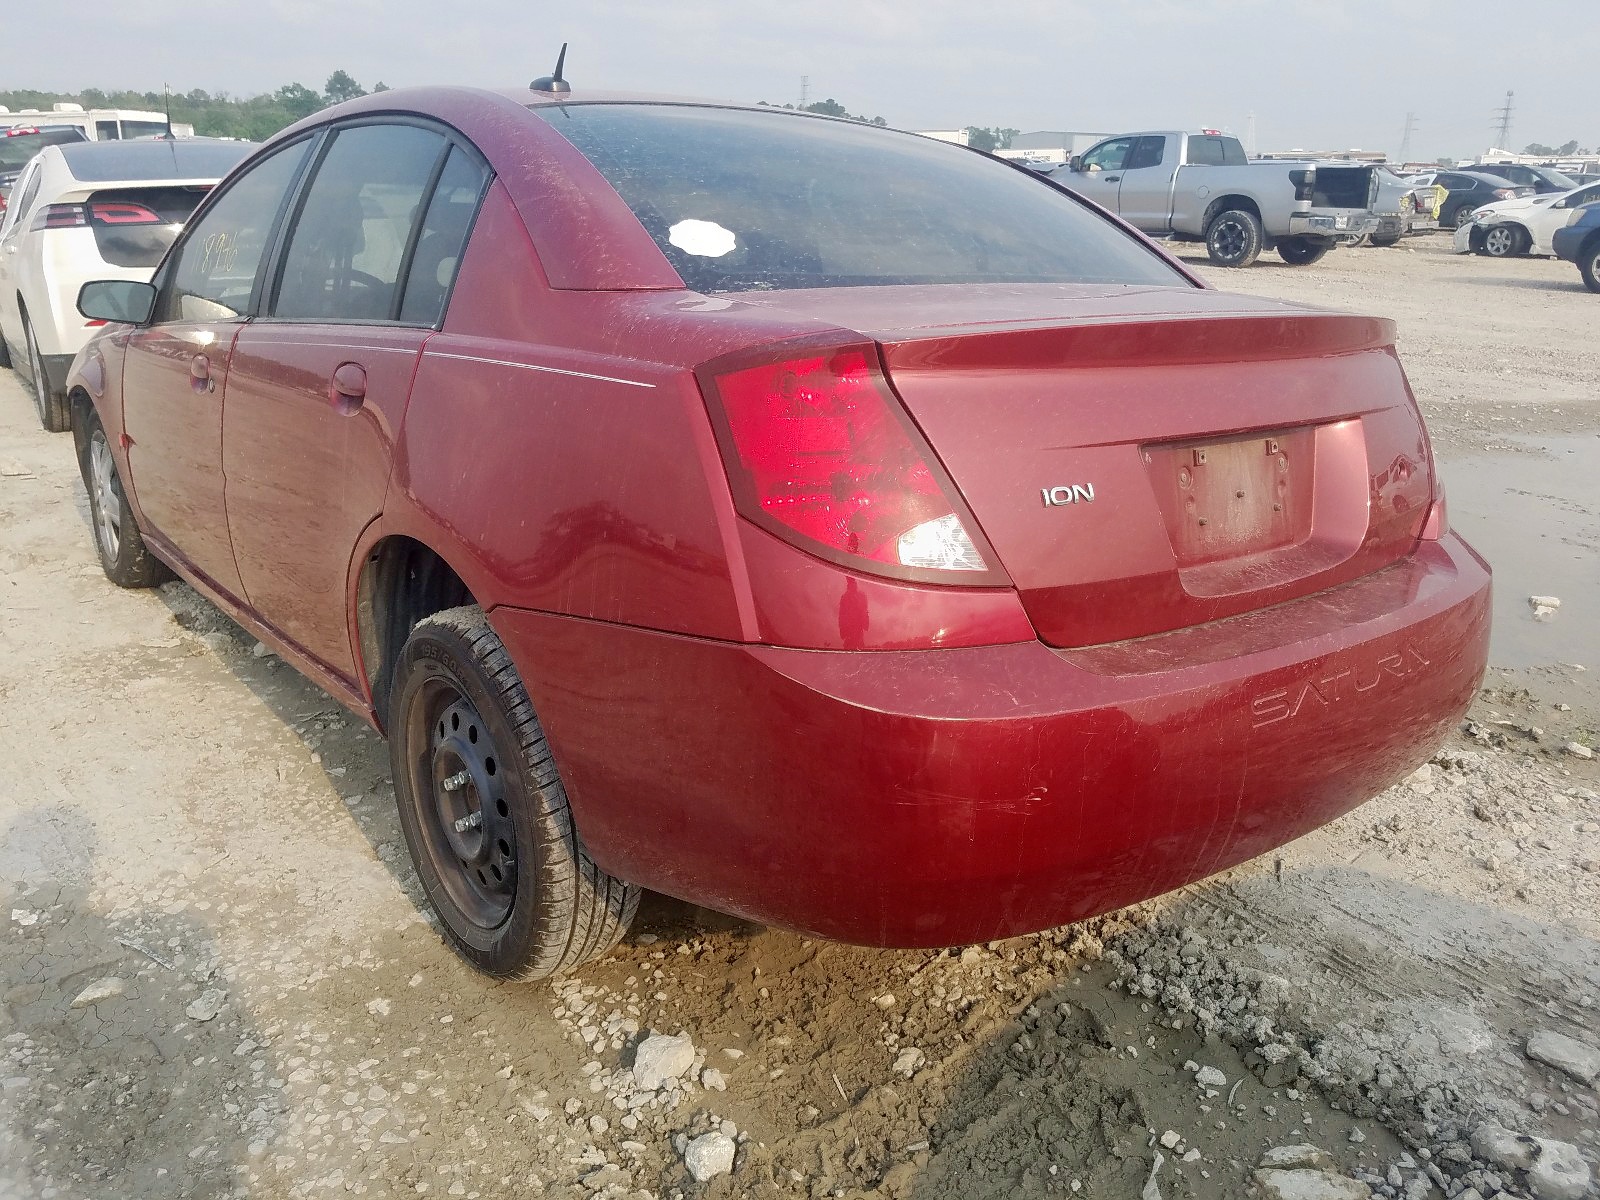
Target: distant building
1050, 145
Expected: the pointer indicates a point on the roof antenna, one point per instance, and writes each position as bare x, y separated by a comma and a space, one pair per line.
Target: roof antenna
553, 84
166, 90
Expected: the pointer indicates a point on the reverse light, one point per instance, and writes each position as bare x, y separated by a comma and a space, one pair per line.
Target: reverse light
61, 216
820, 453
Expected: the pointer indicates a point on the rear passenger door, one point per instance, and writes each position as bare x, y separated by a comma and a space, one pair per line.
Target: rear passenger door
318, 383
1146, 196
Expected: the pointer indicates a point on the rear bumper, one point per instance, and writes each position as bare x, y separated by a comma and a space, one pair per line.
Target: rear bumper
1332, 223
922, 798
1566, 242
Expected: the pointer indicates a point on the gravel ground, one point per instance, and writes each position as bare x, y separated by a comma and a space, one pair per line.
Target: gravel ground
216, 979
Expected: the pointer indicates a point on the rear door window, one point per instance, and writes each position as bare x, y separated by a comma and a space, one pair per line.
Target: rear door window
1147, 152
220, 260
434, 263
350, 240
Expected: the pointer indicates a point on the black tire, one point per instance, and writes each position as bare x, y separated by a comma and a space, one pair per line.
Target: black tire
1505, 241
124, 557
1589, 264
1392, 240
1234, 238
498, 854
5, 353
54, 413
1302, 251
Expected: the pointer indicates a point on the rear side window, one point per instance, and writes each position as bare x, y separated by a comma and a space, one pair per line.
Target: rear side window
444, 236
1216, 152
216, 271
1147, 152
740, 200
350, 239
18, 209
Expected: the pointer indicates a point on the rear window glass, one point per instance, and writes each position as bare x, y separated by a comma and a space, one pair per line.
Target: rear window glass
103, 162
741, 201
1216, 152
18, 148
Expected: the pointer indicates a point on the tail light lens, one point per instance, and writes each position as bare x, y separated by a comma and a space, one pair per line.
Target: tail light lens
1505, 193
821, 453
117, 213
1305, 184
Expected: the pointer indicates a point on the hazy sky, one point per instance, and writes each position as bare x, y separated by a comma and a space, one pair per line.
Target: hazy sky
1317, 74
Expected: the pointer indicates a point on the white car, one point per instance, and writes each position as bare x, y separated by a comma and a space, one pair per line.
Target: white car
1524, 225
83, 211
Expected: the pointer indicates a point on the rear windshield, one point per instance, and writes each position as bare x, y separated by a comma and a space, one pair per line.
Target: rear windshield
742, 201
18, 148
102, 162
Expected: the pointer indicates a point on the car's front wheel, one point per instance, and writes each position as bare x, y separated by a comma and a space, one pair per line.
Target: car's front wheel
54, 414
1302, 251
124, 557
484, 811
1234, 238
1504, 241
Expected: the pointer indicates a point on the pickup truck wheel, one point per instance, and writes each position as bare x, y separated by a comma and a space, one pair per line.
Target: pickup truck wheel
1301, 251
485, 814
1504, 241
1234, 238
1391, 240
1589, 265
124, 557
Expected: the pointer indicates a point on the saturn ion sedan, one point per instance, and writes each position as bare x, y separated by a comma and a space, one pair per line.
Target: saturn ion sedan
824, 524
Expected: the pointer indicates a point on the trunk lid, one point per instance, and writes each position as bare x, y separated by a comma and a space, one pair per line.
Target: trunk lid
1147, 459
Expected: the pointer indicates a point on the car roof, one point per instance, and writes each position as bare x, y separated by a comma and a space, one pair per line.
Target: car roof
158, 158
1478, 176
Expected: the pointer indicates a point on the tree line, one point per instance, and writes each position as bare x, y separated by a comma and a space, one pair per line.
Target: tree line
1564, 150
253, 118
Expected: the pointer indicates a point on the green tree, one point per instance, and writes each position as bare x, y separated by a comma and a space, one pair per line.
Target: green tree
828, 108
1539, 148
990, 140
380, 86
1568, 147
341, 87
298, 99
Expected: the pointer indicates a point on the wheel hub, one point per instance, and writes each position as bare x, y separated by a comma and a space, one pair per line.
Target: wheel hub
107, 500
473, 838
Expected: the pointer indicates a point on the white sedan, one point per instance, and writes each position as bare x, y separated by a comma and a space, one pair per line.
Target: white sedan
1524, 225
82, 211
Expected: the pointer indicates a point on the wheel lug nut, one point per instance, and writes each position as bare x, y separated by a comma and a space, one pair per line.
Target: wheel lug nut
470, 821
457, 781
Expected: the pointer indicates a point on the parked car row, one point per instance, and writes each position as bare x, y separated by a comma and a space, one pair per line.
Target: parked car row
833, 526
1523, 225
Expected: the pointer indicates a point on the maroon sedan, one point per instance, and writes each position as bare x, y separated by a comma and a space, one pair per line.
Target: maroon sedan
820, 523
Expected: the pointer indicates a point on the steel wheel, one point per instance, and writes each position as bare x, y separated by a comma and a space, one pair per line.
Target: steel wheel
107, 497
466, 826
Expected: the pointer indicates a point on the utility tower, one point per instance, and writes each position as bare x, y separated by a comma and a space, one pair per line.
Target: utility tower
1405, 141
1503, 125
805, 89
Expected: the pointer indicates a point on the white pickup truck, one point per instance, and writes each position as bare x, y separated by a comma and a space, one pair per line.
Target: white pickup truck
1200, 187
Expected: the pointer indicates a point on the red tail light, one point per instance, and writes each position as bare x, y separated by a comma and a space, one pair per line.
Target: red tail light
96, 212
122, 212
61, 216
1505, 193
821, 453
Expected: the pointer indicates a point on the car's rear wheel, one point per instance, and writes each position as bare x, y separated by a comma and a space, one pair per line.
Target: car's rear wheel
1589, 264
124, 557
1301, 251
54, 414
1463, 216
484, 811
1234, 238
1504, 241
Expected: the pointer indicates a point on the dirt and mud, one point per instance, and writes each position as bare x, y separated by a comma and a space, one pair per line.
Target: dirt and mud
217, 978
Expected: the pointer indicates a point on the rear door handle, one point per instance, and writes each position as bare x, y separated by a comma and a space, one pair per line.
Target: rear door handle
347, 390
